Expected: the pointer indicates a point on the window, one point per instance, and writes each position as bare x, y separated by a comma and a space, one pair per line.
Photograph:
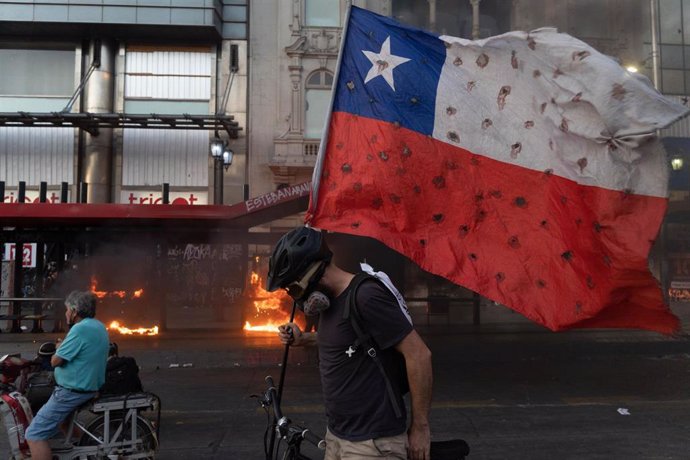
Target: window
36, 80
674, 47
33, 72
672, 81
317, 100
160, 80
322, 13
168, 81
453, 17
671, 22
320, 80
672, 56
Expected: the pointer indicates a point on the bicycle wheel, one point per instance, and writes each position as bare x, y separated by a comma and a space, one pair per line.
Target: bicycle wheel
144, 432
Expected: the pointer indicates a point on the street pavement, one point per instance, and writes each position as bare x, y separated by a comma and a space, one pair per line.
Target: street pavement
512, 392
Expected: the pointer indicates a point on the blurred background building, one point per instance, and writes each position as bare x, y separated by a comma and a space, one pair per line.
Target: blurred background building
164, 57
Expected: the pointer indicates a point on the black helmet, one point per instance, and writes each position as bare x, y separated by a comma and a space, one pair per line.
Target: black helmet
294, 254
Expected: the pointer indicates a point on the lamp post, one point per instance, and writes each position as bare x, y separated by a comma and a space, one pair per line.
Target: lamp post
217, 148
222, 159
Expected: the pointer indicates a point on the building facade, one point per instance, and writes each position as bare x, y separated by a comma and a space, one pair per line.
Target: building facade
127, 57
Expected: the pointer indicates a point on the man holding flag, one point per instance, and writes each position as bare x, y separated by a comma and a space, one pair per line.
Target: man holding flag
370, 356
525, 167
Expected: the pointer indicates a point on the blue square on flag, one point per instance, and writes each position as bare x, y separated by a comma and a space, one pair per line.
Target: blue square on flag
399, 67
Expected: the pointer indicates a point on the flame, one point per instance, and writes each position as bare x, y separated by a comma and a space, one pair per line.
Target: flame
270, 326
115, 325
269, 307
120, 294
94, 283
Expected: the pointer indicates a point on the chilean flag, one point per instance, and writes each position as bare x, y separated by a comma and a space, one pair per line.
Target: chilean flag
525, 167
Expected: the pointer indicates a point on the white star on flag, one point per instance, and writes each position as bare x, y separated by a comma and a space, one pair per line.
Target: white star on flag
383, 63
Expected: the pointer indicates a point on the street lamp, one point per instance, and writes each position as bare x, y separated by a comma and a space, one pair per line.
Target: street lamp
218, 149
677, 163
228, 154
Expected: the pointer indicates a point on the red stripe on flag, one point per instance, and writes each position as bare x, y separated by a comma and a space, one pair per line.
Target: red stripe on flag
563, 254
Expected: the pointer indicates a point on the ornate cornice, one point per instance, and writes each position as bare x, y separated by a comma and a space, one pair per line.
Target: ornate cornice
316, 42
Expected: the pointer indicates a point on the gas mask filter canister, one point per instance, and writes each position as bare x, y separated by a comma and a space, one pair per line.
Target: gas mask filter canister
315, 303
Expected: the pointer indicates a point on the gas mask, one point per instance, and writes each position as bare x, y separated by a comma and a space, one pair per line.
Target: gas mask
315, 303
309, 300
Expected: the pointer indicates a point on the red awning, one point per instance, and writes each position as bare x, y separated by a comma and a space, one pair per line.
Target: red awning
256, 211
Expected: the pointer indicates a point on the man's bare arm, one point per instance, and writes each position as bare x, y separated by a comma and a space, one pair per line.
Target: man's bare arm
419, 374
56, 361
291, 334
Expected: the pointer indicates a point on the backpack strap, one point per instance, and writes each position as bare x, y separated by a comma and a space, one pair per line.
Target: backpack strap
364, 339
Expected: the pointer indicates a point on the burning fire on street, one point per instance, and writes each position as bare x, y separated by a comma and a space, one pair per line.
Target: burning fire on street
270, 308
137, 293
116, 326
124, 295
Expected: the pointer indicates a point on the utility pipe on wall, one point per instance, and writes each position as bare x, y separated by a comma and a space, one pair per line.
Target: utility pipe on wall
96, 164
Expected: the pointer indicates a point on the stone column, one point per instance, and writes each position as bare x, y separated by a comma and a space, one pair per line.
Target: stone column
297, 98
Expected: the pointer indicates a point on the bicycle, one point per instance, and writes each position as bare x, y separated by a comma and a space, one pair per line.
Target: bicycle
453, 449
292, 434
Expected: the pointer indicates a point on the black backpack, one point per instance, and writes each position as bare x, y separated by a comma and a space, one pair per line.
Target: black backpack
456, 449
392, 372
121, 376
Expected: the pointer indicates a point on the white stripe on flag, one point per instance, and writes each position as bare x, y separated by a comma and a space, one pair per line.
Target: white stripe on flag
529, 100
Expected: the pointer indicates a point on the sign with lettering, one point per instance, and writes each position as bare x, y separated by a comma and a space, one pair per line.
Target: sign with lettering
195, 197
28, 250
32, 196
283, 194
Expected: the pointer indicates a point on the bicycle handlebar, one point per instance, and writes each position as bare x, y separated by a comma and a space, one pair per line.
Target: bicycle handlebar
314, 439
284, 423
273, 396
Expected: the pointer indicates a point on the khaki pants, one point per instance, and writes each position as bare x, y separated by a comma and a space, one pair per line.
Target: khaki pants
391, 448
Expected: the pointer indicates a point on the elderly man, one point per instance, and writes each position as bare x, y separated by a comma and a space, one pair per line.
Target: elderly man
79, 363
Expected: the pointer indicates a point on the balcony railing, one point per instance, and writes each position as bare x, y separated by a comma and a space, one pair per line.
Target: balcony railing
311, 148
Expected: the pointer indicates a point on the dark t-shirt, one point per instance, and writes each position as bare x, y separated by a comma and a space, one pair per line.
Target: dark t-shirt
355, 396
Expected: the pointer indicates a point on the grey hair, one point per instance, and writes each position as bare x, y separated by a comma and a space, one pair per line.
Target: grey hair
82, 302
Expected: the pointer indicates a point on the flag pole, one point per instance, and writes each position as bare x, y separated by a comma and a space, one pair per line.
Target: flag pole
318, 167
281, 381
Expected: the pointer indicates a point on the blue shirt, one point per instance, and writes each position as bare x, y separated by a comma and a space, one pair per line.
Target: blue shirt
85, 350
